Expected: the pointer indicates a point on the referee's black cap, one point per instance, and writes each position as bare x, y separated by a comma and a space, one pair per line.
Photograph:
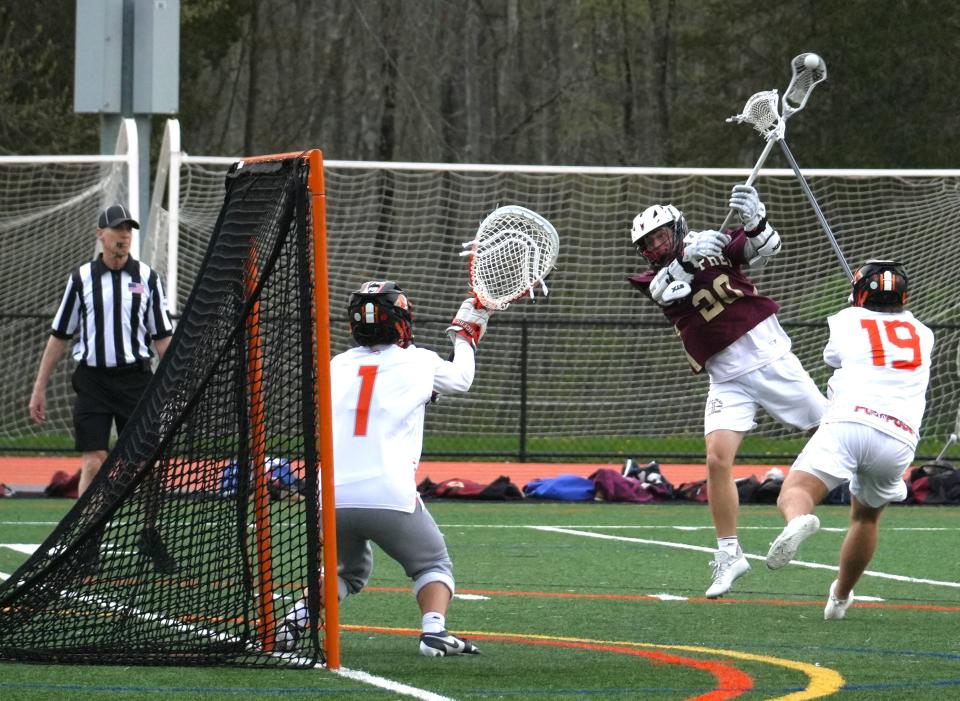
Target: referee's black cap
115, 215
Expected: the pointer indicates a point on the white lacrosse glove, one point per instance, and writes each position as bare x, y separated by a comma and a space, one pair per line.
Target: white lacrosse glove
470, 323
745, 201
703, 244
670, 285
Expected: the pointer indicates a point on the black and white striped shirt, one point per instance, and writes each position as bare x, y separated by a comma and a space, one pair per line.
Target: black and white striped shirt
116, 313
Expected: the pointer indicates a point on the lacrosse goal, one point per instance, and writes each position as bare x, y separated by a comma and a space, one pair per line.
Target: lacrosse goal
186, 548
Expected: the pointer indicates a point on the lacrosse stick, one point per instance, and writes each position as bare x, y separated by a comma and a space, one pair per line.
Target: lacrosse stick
950, 441
511, 255
805, 78
761, 112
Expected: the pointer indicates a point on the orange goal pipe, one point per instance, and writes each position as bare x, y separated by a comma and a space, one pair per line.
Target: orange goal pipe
321, 305
258, 461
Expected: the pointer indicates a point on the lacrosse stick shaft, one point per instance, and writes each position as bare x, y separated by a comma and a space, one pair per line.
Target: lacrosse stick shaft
950, 441
816, 208
753, 176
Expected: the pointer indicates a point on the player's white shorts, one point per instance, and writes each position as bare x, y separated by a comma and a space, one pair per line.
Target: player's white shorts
783, 388
872, 460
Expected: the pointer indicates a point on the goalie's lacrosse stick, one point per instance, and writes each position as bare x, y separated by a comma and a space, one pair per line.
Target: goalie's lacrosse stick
804, 79
513, 252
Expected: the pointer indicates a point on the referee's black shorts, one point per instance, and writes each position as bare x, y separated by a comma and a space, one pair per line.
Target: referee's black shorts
105, 395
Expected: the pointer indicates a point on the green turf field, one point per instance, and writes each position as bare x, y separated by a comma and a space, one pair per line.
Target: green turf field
599, 601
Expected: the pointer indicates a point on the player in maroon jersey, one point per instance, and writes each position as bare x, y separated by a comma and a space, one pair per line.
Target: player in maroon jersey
731, 331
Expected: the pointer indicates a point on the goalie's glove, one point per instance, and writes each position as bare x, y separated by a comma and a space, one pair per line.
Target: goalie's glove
670, 285
703, 244
745, 201
470, 323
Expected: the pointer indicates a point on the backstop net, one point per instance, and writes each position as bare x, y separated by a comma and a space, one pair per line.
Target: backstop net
595, 371
187, 548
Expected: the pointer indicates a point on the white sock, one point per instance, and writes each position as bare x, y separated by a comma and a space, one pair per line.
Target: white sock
434, 622
730, 545
299, 614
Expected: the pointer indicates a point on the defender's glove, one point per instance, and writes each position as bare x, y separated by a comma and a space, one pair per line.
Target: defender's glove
745, 201
470, 323
703, 244
670, 285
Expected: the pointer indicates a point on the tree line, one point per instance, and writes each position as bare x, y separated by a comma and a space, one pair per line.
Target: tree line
568, 82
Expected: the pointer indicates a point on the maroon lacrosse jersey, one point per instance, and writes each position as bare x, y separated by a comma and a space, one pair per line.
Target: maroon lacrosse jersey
723, 304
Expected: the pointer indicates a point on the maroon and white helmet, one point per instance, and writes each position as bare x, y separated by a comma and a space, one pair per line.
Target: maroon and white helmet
653, 218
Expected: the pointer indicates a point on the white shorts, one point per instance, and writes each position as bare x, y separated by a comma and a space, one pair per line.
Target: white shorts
873, 461
783, 388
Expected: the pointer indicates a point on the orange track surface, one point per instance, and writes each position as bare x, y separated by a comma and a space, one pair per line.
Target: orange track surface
32, 473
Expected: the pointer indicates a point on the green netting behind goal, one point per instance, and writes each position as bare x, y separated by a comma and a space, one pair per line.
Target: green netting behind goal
185, 550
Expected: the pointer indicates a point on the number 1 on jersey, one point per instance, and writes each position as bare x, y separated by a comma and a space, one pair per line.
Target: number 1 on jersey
368, 375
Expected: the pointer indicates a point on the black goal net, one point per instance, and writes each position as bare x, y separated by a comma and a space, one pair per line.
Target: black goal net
202, 527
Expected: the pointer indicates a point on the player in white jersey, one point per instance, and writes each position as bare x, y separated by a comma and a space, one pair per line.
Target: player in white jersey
869, 433
380, 390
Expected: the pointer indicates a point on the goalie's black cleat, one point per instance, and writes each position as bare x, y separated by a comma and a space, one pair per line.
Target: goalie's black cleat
443, 644
151, 545
287, 636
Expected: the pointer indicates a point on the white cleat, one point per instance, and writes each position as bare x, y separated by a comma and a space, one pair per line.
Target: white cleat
443, 644
287, 636
785, 547
836, 608
726, 570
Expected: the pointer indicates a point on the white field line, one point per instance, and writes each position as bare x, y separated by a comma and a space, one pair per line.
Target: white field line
700, 548
605, 526
389, 684
608, 526
356, 675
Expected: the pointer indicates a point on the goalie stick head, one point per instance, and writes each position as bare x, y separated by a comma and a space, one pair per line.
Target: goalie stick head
380, 312
880, 285
659, 251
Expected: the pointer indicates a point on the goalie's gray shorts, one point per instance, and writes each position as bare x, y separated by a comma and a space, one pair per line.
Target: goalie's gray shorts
412, 539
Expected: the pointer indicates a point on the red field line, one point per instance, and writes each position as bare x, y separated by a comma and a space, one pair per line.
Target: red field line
26, 471
731, 682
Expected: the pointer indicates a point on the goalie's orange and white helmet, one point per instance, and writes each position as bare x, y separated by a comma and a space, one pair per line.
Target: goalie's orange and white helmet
380, 312
880, 283
651, 219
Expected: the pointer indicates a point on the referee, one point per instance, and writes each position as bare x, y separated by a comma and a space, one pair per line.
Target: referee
115, 305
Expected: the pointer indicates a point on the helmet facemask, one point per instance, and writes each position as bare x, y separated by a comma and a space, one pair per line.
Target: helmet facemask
380, 313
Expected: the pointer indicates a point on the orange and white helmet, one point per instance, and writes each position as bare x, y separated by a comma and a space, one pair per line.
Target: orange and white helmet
880, 283
380, 312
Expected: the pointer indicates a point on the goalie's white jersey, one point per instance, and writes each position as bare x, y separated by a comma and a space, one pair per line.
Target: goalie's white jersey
883, 363
379, 396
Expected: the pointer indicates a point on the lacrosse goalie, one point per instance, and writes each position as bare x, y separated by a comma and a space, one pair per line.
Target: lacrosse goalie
380, 389
730, 330
881, 354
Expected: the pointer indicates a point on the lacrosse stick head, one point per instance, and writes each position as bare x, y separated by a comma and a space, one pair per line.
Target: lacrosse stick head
762, 114
803, 81
514, 250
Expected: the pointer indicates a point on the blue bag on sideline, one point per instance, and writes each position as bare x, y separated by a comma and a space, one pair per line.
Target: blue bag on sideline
561, 488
